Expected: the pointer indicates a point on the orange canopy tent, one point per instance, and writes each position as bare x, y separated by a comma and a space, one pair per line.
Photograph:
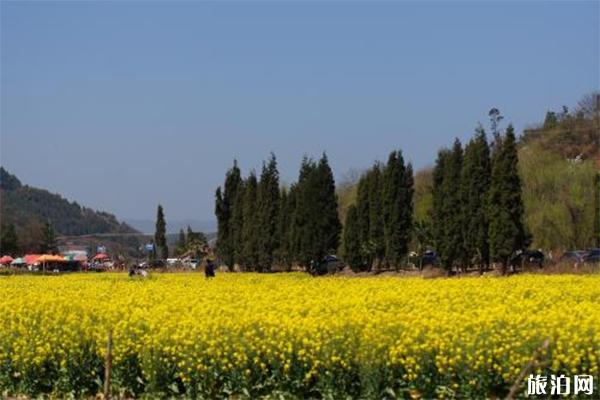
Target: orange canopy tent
50, 258
6, 260
100, 256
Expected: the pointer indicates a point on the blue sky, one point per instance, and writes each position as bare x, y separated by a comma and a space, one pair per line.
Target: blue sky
121, 105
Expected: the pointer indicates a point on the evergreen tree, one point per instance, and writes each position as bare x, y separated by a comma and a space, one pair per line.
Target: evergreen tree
495, 119
397, 196
48, 244
316, 226
351, 240
268, 207
9, 241
221, 212
367, 249
330, 225
160, 238
292, 229
376, 241
225, 199
302, 216
408, 207
447, 206
475, 184
181, 243
506, 230
237, 224
551, 120
283, 254
251, 227
439, 217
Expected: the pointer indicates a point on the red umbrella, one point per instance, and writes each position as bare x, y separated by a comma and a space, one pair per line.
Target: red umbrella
100, 256
31, 258
6, 260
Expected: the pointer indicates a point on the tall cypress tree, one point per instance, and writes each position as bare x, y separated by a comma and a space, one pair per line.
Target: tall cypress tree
221, 211
363, 220
439, 217
406, 200
292, 235
268, 207
251, 228
237, 224
397, 196
225, 199
506, 229
351, 240
329, 220
160, 238
475, 184
316, 226
376, 240
283, 253
450, 239
302, 221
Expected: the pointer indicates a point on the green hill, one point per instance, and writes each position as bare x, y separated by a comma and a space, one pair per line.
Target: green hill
27, 208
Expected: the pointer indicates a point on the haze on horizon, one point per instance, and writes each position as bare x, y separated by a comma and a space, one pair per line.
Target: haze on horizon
122, 105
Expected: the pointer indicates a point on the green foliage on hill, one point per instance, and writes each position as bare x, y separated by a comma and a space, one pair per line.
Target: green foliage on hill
23, 205
559, 198
569, 133
559, 165
30, 209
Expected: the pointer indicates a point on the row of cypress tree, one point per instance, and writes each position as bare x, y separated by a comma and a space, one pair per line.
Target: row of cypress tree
477, 211
260, 225
477, 203
378, 226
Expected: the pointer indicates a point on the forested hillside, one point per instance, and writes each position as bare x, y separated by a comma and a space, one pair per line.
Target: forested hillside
28, 209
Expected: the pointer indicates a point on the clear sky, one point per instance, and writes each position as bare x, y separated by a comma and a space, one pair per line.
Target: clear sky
121, 105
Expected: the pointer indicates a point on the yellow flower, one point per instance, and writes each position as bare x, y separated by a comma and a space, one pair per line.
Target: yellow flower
284, 323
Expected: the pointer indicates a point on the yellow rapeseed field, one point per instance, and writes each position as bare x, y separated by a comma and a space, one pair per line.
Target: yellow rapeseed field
293, 335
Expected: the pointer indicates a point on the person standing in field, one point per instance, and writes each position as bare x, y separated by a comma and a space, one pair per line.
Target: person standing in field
209, 270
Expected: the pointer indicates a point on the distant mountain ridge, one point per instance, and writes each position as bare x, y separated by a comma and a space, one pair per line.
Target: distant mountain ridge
23, 205
173, 226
